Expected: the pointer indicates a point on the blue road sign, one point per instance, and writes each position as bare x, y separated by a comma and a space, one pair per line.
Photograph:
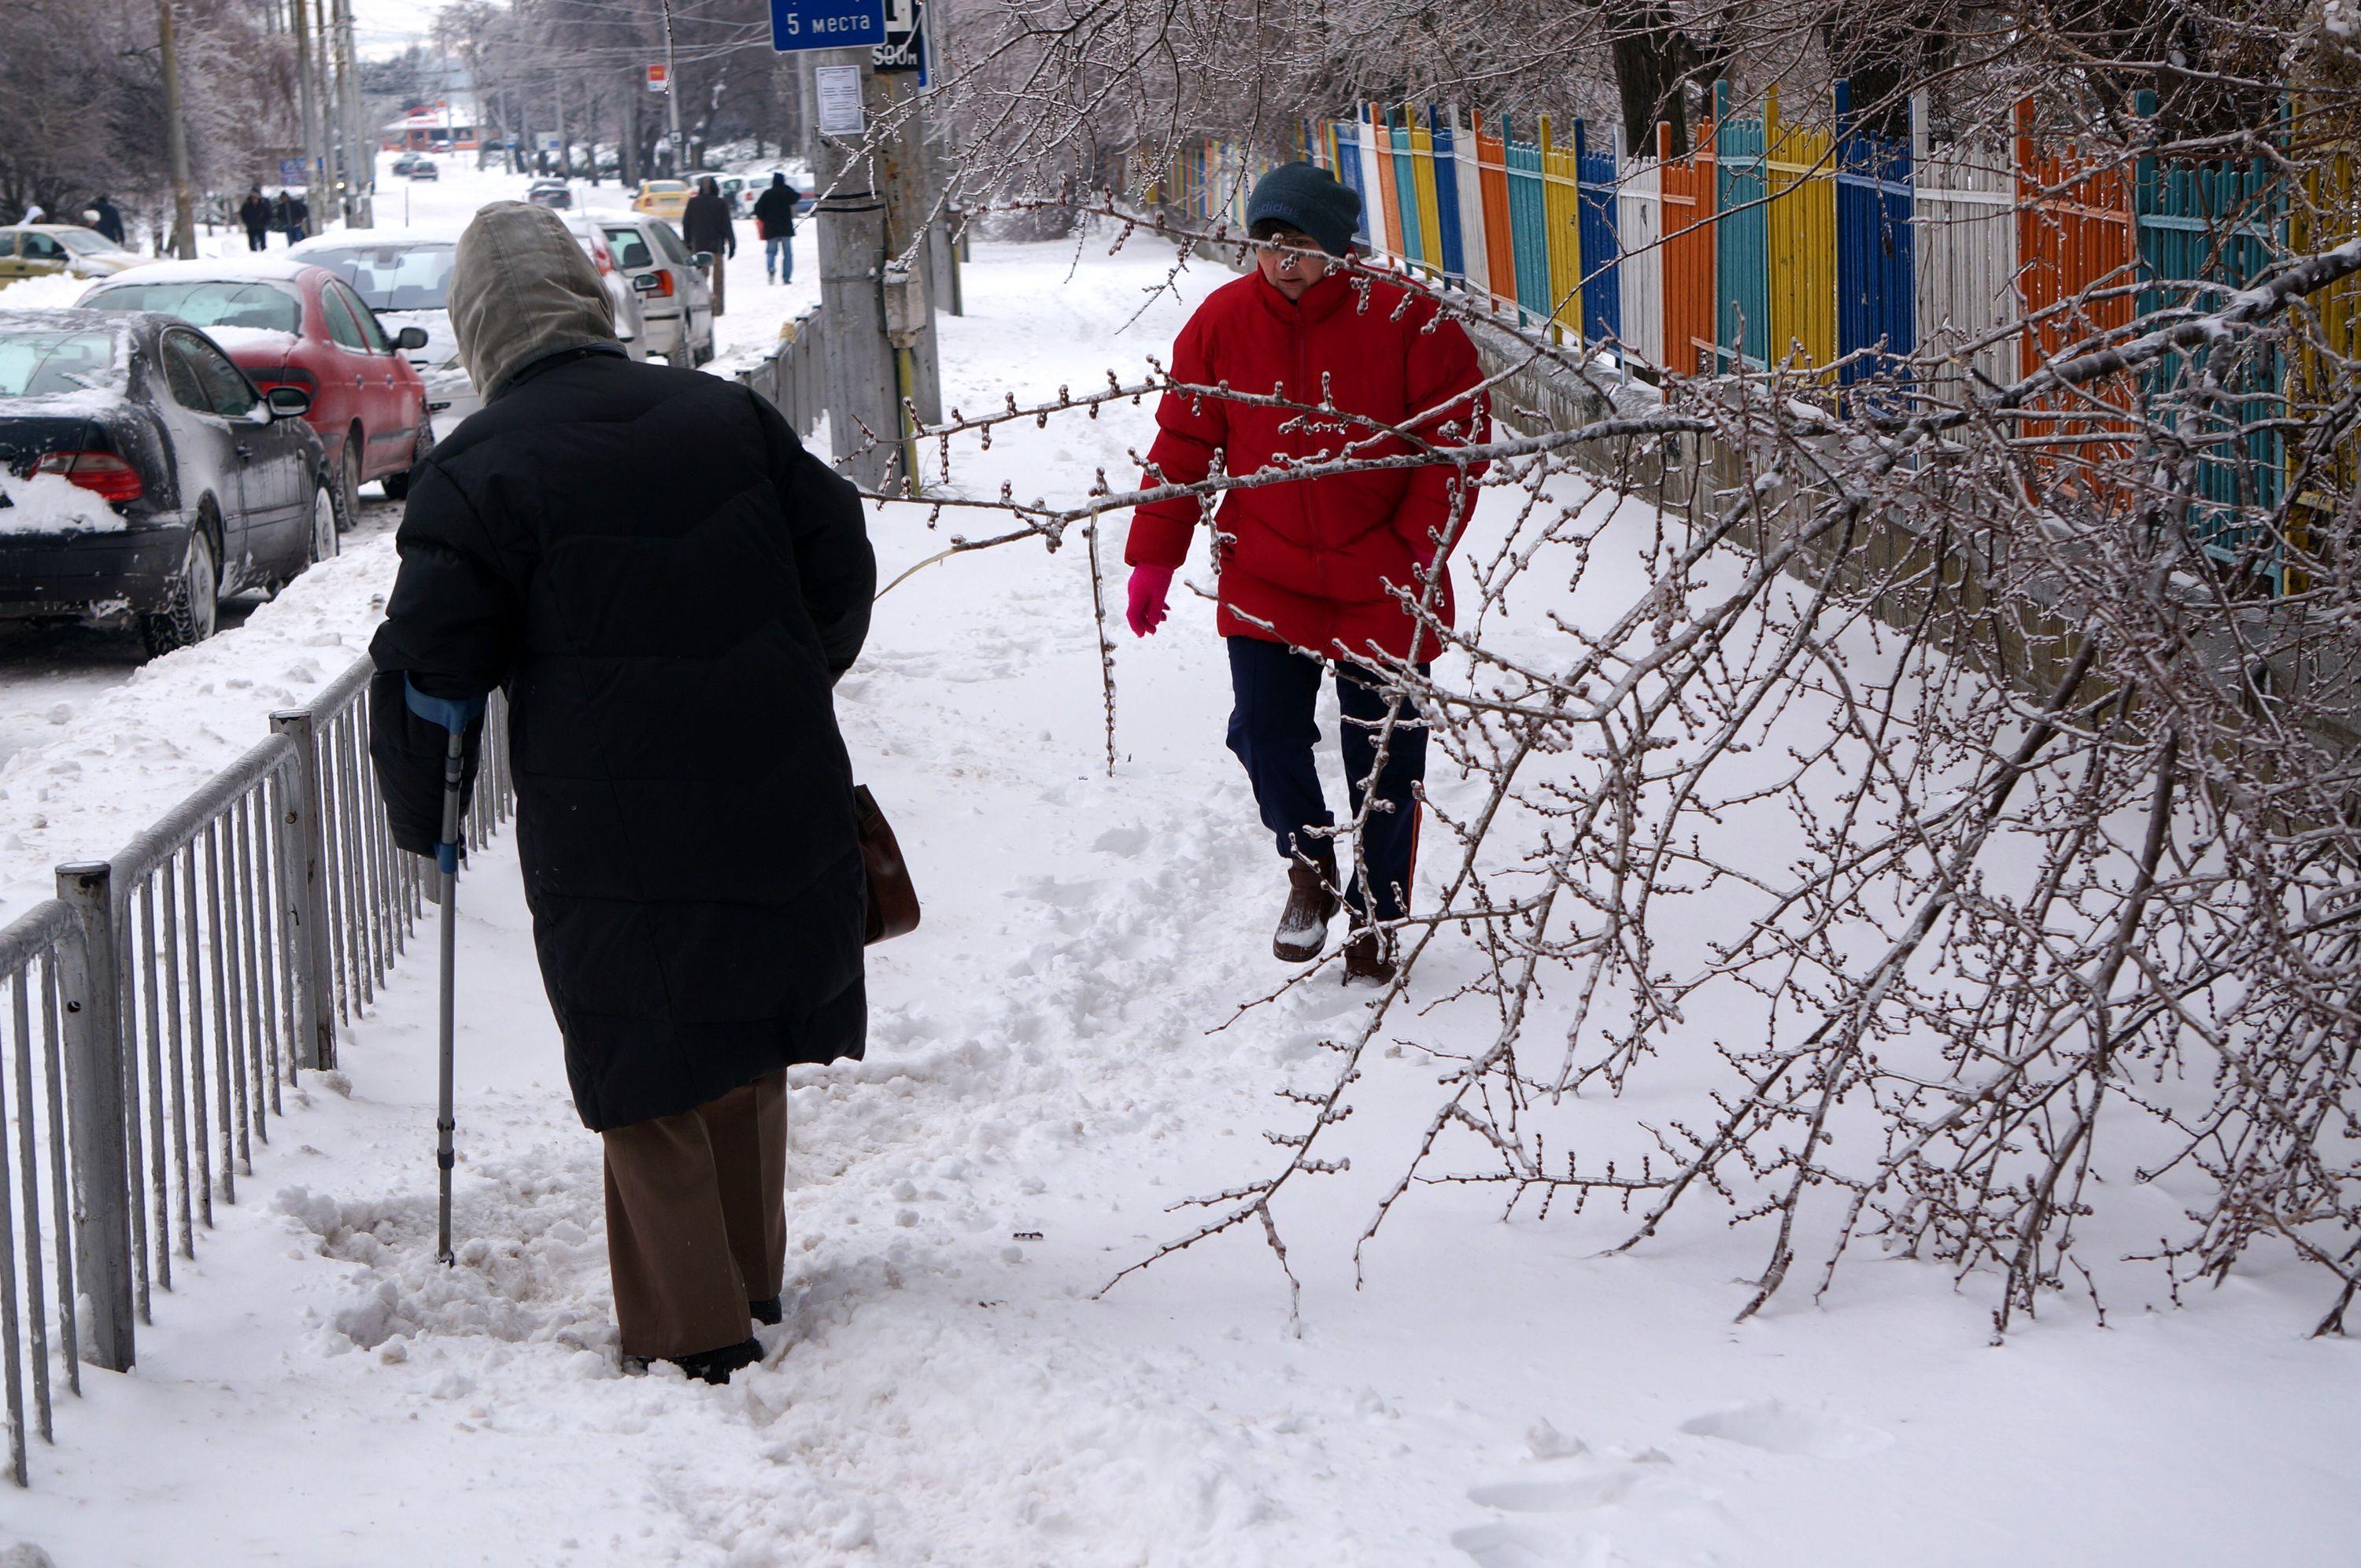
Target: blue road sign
291, 171
826, 23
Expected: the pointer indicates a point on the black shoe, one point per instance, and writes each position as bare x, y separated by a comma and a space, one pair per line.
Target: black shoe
716, 1366
766, 1311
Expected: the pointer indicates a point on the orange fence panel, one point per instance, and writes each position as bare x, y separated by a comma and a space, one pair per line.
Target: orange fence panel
1688, 251
1499, 241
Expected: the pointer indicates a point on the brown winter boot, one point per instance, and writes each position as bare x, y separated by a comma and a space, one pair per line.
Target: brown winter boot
1369, 957
1310, 904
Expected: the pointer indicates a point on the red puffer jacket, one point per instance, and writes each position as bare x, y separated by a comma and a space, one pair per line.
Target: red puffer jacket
1307, 562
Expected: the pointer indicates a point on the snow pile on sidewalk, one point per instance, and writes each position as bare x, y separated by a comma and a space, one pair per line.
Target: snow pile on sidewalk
1056, 1058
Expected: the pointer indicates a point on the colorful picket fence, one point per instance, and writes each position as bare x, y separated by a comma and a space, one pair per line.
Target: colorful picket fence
1834, 256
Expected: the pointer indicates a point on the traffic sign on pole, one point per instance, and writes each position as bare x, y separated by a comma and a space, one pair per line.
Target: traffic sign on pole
659, 77
826, 23
905, 47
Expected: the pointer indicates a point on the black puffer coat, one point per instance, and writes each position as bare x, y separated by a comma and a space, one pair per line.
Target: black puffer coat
667, 585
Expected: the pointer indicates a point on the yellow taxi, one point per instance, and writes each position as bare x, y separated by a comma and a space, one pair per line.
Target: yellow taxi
38, 250
666, 199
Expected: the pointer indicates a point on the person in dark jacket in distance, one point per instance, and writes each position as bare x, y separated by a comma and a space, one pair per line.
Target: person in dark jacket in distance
110, 219
667, 586
705, 225
775, 219
254, 216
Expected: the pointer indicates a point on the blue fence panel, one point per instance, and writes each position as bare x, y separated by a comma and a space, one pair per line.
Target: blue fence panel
1528, 228
1446, 196
1877, 276
1602, 287
1742, 237
2204, 230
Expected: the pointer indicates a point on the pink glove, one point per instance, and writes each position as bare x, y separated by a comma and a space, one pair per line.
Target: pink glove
1150, 584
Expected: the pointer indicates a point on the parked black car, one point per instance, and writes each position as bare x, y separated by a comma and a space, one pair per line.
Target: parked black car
552, 193
141, 473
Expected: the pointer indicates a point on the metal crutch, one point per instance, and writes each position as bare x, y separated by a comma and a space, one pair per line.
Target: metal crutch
453, 716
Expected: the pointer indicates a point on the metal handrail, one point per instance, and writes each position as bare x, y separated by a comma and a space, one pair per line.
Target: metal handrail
178, 985
792, 375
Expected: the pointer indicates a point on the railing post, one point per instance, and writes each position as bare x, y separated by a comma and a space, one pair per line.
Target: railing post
303, 862
89, 973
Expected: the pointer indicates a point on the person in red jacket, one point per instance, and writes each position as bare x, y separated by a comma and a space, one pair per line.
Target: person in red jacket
1321, 571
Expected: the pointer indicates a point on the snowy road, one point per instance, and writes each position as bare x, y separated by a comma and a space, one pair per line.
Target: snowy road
1046, 1076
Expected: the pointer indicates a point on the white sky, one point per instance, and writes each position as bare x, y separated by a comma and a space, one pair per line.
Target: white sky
388, 26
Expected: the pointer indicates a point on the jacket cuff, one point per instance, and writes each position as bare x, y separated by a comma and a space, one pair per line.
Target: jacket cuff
1158, 539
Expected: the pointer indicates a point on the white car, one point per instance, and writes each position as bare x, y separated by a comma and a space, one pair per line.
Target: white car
404, 275
591, 233
675, 301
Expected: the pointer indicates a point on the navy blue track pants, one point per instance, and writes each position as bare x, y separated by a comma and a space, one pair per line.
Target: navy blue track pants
1273, 727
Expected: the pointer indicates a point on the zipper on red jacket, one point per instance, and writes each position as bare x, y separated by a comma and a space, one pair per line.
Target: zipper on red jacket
1303, 386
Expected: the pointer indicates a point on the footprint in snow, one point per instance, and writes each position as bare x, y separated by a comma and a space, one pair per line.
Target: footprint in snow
1777, 1428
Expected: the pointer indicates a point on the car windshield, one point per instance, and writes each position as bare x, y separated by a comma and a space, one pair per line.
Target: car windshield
85, 242
411, 277
38, 364
217, 303
666, 187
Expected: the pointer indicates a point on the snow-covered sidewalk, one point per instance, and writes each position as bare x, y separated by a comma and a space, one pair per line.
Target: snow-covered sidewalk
1047, 1073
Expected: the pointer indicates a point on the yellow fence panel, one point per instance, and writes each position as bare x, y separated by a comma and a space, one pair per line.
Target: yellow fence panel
1430, 216
1562, 211
1803, 225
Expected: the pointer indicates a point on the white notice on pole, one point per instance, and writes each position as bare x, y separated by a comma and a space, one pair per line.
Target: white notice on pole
837, 87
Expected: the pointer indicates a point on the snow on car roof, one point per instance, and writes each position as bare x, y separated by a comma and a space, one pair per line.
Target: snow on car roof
66, 318
219, 269
347, 239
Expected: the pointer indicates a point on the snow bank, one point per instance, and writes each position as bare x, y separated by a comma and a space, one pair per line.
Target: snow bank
126, 755
50, 291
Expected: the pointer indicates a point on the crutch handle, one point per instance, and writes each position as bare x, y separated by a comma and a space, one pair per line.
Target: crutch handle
454, 715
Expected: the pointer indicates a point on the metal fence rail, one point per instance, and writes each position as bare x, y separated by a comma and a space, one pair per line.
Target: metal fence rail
151, 1012
793, 376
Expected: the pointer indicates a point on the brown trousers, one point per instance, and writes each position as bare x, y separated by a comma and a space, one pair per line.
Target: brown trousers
697, 1220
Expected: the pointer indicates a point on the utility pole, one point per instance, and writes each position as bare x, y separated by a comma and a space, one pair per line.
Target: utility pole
901, 179
360, 142
850, 218
672, 94
308, 101
176, 135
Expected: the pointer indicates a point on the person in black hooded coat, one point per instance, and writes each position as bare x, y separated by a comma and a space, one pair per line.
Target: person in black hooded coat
667, 586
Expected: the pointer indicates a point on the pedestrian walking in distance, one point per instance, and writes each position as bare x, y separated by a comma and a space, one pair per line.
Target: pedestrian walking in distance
775, 219
705, 225
254, 216
109, 221
289, 215
666, 585
1311, 571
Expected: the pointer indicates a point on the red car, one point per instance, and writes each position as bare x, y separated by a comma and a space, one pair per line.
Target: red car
287, 324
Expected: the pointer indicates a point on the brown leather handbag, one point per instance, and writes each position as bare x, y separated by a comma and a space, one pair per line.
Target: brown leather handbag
892, 901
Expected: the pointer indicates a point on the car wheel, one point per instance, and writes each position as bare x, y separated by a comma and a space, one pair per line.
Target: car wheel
191, 605
323, 543
397, 485
349, 491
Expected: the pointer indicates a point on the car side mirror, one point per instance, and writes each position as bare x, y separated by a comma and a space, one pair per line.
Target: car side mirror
702, 259
646, 283
290, 402
409, 337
